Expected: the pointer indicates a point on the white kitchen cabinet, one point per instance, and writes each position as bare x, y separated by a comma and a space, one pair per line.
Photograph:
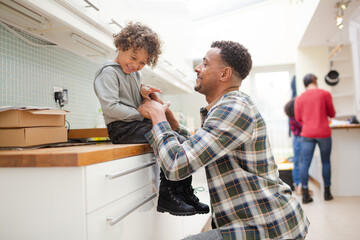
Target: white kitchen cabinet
344, 160
86, 28
88, 8
102, 190
93, 198
76, 202
137, 225
145, 223
96, 13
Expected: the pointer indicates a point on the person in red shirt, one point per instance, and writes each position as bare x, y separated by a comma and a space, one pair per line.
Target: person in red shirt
313, 109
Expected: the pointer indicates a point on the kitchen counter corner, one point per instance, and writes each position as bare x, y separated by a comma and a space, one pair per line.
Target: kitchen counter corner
70, 156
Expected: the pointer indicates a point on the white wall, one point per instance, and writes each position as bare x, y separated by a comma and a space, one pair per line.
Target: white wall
315, 60
271, 31
355, 49
312, 60
188, 104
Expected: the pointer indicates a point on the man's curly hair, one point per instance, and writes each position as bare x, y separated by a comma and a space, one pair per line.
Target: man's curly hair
137, 36
236, 56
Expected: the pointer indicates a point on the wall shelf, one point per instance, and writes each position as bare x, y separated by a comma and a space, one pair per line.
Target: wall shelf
340, 59
341, 95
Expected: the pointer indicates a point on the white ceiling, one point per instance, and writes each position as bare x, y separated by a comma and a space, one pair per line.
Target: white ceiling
322, 29
199, 10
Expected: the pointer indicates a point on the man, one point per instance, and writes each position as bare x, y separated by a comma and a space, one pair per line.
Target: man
313, 108
248, 199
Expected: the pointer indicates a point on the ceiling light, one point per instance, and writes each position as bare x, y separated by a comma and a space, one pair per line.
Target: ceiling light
340, 7
345, 4
339, 21
340, 12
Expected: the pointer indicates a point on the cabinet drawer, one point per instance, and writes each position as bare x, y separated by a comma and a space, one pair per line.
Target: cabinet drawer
103, 186
139, 224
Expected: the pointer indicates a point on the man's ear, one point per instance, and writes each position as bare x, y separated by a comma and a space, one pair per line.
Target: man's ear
226, 74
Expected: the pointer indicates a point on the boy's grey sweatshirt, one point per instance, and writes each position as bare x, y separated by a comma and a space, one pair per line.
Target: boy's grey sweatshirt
118, 93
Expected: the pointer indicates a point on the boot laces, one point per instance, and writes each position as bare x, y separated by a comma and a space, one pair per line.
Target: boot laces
173, 195
191, 193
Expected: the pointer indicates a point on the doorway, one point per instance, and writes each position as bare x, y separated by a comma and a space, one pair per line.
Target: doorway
270, 89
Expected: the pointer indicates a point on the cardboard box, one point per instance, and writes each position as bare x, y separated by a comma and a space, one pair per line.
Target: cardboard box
24, 137
32, 118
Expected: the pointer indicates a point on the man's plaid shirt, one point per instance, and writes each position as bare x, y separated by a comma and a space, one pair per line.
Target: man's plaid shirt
248, 199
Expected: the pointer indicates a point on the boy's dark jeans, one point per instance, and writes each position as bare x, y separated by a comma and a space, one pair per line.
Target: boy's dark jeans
134, 132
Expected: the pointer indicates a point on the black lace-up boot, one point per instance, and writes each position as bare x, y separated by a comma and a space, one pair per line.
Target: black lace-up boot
170, 201
306, 196
189, 197
327, 194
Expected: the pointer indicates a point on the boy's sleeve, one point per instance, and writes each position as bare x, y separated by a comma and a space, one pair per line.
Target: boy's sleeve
107, 90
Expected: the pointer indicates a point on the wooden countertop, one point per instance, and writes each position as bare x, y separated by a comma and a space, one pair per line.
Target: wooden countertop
70, 156
345, 126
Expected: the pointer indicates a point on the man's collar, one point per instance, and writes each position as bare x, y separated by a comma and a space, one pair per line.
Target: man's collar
208, 107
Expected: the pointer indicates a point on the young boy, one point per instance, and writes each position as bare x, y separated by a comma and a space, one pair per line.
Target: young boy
120, 91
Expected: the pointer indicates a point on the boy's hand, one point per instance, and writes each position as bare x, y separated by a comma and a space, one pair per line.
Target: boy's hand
148, 92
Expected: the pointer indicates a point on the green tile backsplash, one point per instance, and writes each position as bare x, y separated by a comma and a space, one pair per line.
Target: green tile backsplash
28, 75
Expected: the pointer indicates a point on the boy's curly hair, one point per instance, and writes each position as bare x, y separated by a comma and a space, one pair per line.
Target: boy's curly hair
137, 36
236, 56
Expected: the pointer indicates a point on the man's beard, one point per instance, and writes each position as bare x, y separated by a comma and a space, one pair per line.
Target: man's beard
197, 88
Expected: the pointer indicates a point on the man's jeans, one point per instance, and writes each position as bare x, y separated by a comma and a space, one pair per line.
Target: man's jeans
214, 234
208, 235
307, 149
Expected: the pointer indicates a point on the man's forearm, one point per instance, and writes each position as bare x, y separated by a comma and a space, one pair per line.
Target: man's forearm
174, 123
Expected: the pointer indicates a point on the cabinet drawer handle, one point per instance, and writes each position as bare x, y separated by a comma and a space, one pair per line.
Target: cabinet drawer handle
122, 173
116, 23
91, 5
114, 220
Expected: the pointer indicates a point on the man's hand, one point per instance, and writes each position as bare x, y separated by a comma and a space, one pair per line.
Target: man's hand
169, 114
153, 110
148, 92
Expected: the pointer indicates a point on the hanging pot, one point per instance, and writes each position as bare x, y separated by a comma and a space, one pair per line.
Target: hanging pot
332, 78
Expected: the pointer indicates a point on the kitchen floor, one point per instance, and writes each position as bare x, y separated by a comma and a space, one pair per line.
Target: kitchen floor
330, 220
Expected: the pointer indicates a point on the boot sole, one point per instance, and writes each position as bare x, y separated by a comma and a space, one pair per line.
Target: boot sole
308, 201
201, 212
163, 210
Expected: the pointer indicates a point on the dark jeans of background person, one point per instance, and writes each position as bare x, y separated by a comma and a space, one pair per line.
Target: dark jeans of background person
307, 149
134, 132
